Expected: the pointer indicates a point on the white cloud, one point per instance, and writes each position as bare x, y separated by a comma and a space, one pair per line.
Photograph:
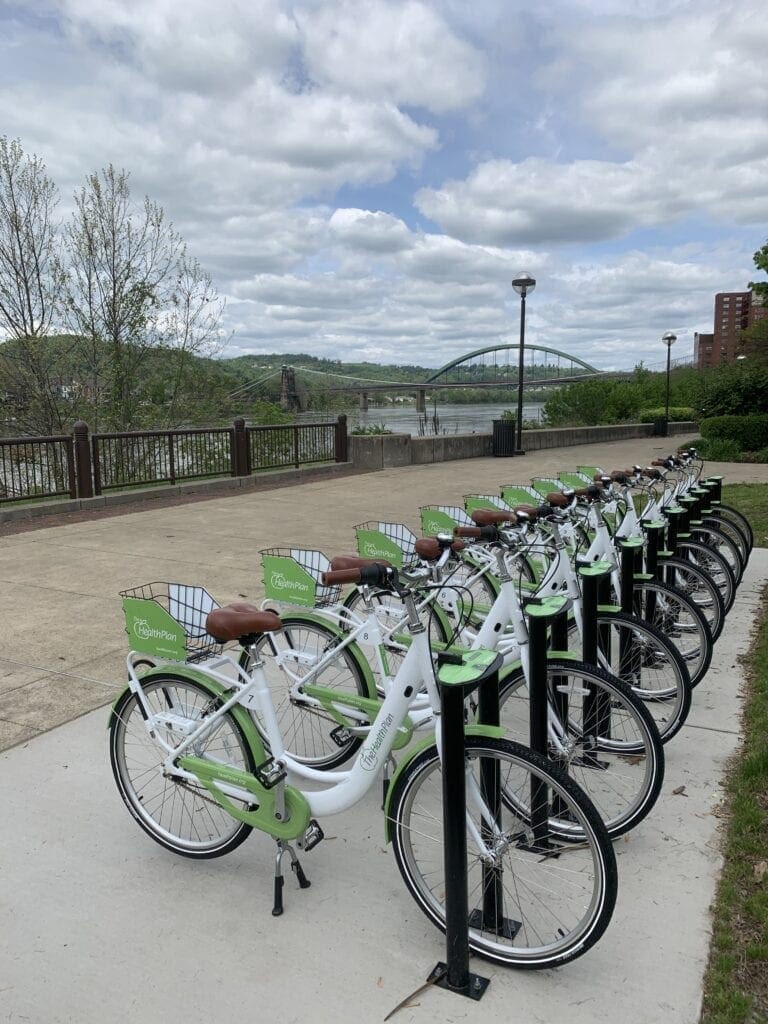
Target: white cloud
402, 52
371, 231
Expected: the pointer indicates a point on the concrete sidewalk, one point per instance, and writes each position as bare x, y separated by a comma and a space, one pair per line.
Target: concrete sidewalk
99, 924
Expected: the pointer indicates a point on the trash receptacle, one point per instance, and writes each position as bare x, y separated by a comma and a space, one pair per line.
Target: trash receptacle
503, 440
660, 427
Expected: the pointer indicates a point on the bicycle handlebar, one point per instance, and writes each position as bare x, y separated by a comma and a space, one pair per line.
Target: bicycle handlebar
486, 533
376, 575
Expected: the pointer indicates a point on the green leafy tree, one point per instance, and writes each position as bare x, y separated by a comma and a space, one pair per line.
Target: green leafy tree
761, 262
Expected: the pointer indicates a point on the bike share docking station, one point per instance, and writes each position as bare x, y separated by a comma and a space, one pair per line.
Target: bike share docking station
459, 674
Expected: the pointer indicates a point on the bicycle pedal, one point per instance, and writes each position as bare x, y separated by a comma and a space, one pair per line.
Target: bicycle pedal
270, 773
311, 837
341, 735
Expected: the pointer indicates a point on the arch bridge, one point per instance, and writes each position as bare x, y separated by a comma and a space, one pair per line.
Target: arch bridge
496, 366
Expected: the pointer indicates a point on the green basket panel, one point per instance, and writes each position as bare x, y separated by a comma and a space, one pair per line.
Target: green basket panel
152, 630
519, 494
442, 519
544, 485
286, 581
473, 501
374, 544
575, 480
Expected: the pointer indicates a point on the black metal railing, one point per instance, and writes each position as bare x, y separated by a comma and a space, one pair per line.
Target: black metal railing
162, 456
86, 464
292, 445
36, 467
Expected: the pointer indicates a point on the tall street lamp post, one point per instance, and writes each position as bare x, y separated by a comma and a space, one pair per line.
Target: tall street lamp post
669, 340
522, 284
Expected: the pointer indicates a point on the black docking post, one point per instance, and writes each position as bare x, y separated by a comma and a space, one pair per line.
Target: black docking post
595, 587
458, 675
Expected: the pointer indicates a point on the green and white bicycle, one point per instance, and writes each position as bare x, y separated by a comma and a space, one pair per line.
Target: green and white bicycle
197, 776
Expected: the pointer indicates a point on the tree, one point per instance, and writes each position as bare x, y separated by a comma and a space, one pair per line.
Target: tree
30, 281
120, 262
191, 327
761, 262
753, 342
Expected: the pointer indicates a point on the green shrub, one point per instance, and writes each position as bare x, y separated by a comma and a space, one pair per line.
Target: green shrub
677, 414
371, 428
761, 455
719, 450
749, 433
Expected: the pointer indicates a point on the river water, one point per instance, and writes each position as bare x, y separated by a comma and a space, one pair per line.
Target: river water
450, 419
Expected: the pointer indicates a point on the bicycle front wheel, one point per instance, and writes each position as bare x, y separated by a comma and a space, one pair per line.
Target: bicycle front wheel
601, 735
653, 668
681, 622
178, 814
306, 652
533, 902
710, 561
699, 588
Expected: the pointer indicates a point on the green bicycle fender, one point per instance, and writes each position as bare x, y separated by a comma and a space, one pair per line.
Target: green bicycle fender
239, 713
263, 816
495, 732
354, 650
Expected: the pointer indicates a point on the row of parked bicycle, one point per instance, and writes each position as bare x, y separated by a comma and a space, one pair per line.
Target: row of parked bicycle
577, 614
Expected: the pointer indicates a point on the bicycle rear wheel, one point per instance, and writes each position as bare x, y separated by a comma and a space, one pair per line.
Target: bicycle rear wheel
178, 814
303, 651
532, 901
601, 735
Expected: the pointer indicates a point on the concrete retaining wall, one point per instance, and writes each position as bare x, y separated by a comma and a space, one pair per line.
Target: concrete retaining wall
381, 451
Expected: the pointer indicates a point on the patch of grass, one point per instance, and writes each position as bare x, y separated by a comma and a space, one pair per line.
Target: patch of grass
752, 501
736, 983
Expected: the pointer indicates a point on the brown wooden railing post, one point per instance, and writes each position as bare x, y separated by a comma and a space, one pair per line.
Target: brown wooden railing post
241, 450
341, 452
83, 471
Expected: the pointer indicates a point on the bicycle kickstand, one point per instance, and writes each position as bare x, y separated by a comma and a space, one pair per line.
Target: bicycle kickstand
304, 882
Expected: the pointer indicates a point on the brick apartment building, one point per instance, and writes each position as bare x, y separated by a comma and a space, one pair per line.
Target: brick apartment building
734, 312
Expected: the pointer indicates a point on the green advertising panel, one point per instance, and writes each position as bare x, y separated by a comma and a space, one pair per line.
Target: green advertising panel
286, 581
473, 501
517, 494
546, 484
373, 544
574, 480
151, 630
437, 521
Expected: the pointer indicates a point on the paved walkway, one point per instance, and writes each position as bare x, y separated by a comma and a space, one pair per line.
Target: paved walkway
99, 924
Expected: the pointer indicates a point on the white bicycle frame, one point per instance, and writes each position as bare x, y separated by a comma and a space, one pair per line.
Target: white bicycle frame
343, 788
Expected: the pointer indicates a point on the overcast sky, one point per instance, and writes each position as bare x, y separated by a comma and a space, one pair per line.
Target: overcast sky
363, 178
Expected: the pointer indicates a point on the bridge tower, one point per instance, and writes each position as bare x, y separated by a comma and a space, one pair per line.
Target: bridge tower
289, 395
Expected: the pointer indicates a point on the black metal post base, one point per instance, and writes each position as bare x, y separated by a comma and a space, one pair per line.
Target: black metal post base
507, 927
474, 988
